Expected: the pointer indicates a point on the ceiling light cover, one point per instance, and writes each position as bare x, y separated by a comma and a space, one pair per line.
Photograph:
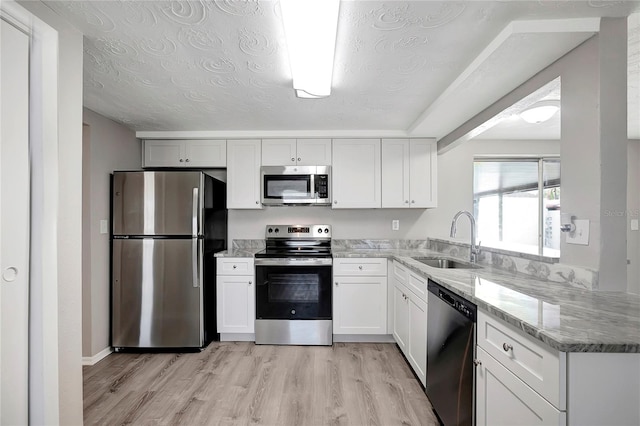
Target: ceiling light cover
310, 28
540, 111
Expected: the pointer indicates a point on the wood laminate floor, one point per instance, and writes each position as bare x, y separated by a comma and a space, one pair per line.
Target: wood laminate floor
243, 383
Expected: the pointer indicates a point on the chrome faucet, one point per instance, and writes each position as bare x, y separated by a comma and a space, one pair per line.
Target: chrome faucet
475, 248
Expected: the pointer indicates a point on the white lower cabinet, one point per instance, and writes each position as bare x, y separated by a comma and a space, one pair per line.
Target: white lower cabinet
410, 321
522, 381
235, 292
360, 296
360, 305
417, 353
504, 399
400, 317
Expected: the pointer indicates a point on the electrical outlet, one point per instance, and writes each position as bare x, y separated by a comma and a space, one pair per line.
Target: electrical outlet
581, 235
104, 227
634, 224
395, 224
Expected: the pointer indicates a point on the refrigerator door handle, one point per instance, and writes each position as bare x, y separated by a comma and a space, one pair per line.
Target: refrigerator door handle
194, 239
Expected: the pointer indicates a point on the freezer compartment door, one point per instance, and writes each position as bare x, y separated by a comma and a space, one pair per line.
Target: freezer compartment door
155, 302
156, 203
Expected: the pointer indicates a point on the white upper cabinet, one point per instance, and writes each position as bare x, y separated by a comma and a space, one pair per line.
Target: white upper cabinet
409, 173
184, 153
356, 173
296, 152
243, 174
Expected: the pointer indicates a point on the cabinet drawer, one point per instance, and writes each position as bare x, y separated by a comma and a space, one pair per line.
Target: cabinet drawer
538, 365
418, 285
502, 399
235, 266
360, 266
400, 273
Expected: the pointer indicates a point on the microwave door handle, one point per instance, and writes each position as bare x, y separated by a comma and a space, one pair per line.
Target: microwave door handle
312, 183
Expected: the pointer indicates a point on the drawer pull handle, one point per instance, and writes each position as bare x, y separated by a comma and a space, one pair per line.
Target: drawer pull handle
477, 362
507, 347
250, 283
234, 266
360, 267
336, 282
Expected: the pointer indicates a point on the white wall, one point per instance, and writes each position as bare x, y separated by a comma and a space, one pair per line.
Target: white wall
633, 210
594, 145
455, 192
455, 179
112, 147
364, 223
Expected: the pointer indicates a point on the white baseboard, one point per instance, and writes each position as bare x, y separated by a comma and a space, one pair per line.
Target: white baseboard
237, 337
363, 338
92, 360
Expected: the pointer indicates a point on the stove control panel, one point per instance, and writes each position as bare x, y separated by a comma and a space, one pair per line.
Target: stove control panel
298, 231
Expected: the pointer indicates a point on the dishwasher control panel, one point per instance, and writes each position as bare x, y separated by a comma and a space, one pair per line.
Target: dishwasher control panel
458, 303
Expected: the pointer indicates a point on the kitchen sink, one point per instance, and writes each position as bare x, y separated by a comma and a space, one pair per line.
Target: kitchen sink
437, 262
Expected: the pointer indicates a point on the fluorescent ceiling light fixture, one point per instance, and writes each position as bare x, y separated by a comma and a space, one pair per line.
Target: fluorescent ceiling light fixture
310, 27
540, 111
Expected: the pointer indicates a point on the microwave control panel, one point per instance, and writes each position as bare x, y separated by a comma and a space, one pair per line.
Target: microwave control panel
322, 186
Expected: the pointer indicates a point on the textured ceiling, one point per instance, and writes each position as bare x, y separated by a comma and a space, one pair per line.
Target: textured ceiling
222, 66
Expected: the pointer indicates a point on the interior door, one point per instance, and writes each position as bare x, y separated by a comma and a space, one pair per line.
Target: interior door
14, 225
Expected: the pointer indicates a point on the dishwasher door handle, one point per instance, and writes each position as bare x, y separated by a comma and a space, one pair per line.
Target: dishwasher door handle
447, 298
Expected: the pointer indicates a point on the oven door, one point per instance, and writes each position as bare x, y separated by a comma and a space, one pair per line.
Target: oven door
293, 289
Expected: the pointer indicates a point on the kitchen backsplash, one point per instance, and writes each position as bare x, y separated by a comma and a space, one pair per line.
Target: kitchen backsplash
378, 244
247, 244
543, 268
548, 269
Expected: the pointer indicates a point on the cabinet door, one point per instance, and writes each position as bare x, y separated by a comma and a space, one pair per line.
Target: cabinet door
279, 152
314, 152
417, 353
356, 173
423, 173
164, 153
235, 304
243, 174
400, 318
503, 399
360, 305
395, 173
206, 153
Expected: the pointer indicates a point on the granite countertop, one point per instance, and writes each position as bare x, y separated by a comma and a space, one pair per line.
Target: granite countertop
239, 252
564, 317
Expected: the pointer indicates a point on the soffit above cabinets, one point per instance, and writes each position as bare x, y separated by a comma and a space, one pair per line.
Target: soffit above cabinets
417, 68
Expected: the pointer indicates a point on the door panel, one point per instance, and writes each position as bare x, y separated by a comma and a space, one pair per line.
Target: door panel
153, 203
14, 226
154, 301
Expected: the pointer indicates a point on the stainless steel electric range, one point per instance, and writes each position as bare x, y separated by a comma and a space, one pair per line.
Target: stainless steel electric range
293, 286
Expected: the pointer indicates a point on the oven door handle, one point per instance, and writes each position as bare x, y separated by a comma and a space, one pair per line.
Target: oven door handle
295, 262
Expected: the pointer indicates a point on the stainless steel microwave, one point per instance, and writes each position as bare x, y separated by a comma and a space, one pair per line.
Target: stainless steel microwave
296, 185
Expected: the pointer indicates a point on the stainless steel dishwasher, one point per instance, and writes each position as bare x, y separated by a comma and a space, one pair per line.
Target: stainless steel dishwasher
451, 339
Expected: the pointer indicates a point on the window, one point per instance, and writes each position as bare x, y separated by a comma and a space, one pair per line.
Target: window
517, 204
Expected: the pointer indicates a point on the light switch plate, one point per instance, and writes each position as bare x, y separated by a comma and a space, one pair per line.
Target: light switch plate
581, 235
634, 224
104, 226
395, 224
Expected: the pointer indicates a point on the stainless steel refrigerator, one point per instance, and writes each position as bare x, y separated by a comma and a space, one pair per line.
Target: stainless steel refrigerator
166, 227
